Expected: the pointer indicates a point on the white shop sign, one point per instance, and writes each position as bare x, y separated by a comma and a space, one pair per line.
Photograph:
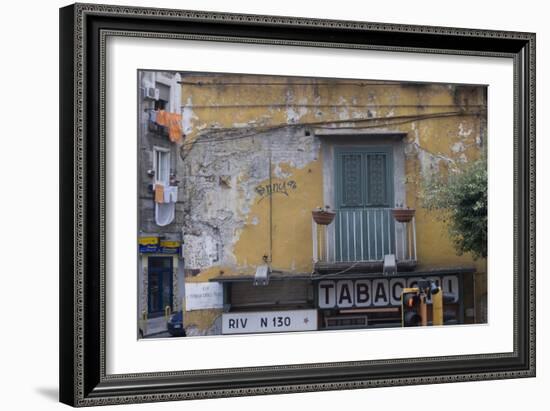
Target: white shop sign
377, 292
203, 296
269, 321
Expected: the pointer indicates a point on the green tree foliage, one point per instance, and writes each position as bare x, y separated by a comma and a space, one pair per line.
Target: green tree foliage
462, 200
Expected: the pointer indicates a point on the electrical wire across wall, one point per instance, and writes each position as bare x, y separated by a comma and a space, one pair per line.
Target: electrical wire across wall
351, 267
210, 137
410, 117
270, 105
286, 84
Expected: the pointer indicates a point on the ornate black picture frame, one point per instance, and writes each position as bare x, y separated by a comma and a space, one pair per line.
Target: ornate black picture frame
83, 31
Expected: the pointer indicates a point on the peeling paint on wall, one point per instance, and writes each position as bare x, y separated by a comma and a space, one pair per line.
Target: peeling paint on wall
219, 213
188, 116
232, 132
463, 131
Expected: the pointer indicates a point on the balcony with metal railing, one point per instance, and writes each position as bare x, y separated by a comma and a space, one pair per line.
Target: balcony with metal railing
360, 239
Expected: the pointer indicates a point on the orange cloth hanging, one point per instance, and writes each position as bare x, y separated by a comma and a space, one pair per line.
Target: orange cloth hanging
161, 118
159, 193
174, 126
173, 122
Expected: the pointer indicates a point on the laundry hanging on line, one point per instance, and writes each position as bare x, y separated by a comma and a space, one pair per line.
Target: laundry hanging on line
160, 117
164, 213
165, 203
159, 193
170, 194
172, 121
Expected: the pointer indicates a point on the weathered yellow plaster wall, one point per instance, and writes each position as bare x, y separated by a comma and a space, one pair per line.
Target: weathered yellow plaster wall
291, 216
451, 132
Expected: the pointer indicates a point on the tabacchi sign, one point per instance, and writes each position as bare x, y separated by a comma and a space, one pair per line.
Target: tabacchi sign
377, 292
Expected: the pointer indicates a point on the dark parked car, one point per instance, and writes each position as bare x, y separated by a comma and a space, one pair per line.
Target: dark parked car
175, 325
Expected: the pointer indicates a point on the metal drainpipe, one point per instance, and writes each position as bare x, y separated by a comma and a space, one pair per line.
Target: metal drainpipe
270, 212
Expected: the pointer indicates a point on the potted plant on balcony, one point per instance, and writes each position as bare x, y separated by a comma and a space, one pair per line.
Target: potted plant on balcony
322, 215
403, 214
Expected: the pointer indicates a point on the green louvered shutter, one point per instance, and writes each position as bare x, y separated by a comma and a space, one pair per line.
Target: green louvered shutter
364, 193
377, 176
352, 180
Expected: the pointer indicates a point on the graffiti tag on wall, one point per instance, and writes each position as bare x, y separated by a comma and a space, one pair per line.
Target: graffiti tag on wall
283, 187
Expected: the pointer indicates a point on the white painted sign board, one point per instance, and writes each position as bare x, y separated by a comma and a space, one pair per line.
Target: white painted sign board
203, 296
269, 321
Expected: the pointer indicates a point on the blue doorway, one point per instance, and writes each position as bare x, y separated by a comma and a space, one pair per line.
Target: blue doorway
160, 285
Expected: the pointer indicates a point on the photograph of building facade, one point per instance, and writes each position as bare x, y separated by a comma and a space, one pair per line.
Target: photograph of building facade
273, 203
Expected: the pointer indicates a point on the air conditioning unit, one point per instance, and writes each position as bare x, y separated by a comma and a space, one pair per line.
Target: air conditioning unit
150, 93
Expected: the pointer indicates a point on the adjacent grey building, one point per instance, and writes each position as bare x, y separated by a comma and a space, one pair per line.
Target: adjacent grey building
160, 209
